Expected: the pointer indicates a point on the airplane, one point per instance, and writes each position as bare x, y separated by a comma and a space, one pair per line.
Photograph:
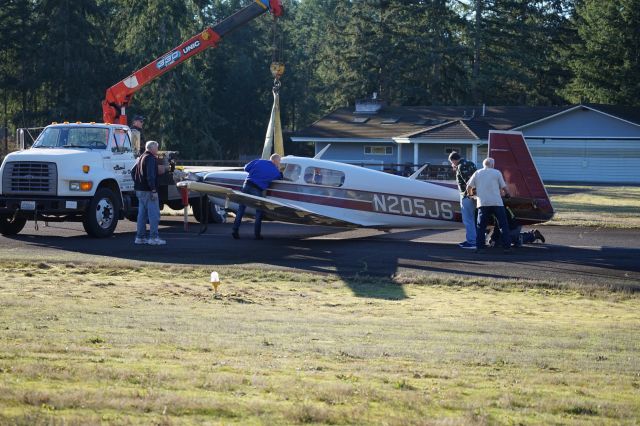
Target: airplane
322, 192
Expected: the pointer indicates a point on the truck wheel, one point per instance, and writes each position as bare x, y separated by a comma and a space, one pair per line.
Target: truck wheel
101, 218
11, 226
214, 215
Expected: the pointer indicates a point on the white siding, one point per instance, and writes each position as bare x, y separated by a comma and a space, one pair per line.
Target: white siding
606, 161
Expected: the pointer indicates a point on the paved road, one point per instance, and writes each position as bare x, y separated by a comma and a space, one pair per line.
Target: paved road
584, 255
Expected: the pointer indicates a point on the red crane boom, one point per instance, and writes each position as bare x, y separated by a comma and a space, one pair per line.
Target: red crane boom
120, 94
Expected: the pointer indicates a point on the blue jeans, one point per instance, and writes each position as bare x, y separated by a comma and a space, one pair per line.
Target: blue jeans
250, 189
484, 214
468, 211
148, 210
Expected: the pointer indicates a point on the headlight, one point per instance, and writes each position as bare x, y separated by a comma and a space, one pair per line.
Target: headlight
80, 186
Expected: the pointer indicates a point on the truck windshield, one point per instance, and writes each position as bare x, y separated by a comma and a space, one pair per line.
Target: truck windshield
73, 137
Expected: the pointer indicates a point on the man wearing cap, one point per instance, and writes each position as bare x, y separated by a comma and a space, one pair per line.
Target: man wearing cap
137, 136
261, 173
464, 170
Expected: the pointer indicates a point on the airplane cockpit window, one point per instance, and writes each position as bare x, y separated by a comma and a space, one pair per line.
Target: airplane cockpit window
322, 176
291, 172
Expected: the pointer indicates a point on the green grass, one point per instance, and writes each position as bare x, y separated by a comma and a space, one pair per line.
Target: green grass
115, 344
601, 206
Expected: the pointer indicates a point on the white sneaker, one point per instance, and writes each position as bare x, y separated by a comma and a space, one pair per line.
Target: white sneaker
156, 242
141, 241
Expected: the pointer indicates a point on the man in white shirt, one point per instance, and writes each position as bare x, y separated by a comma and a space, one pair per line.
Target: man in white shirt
490, 186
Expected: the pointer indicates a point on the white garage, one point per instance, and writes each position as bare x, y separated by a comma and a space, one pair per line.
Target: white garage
586, 144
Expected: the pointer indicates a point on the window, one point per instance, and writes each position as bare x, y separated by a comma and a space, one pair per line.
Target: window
49, 138
378, 150
360, 120
449, 149
121, 141
291, 172
322, 176
88, 137
390, 120
73, 137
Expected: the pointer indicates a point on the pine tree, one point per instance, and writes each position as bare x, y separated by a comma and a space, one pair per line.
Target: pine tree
606, 63
71, 57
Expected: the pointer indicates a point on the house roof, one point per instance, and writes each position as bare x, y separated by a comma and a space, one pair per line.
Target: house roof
457, 129
460, 122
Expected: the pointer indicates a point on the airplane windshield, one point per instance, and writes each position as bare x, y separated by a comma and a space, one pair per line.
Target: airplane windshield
322, 176
291, 172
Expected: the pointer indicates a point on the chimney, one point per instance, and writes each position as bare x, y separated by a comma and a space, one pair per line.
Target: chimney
369, 106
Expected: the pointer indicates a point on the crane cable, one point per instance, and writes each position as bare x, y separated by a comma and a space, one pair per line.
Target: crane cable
273, 139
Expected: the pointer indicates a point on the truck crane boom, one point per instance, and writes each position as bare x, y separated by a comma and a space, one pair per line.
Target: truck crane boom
120, 94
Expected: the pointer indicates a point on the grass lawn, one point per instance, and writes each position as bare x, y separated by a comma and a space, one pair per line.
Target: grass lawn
605, 206
87, 344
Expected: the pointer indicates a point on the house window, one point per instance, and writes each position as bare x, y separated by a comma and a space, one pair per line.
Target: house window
449, 149
322, 176
378, 150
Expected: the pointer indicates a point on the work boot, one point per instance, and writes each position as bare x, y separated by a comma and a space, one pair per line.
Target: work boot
235, 235
538, 236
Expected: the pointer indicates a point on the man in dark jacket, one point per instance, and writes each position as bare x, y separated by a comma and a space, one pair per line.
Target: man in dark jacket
145, 182
261, 173
464, 170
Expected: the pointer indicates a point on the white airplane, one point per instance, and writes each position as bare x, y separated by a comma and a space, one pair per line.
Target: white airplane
321, 192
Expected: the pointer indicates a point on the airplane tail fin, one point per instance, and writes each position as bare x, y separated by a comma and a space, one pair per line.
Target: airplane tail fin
529, 199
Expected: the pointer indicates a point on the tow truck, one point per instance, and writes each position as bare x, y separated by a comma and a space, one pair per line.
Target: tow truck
81, 171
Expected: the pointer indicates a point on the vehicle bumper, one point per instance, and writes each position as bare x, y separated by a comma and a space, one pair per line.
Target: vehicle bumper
43, 205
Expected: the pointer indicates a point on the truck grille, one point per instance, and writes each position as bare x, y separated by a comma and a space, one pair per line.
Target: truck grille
26, 177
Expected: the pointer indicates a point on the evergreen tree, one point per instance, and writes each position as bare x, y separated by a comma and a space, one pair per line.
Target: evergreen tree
514, 49
71, 57
606, 64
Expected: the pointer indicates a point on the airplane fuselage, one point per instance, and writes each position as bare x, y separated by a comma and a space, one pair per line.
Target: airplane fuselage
361, 196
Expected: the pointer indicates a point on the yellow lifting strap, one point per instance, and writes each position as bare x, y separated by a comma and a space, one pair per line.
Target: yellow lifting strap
273, 140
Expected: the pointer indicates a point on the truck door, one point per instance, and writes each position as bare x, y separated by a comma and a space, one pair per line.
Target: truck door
122, 159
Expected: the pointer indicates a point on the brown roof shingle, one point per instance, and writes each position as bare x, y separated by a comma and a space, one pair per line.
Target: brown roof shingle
411, 120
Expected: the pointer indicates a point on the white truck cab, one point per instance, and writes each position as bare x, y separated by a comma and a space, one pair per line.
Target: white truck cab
77, 171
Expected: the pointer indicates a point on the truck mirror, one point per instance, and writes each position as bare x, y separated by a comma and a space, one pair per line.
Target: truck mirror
20, 139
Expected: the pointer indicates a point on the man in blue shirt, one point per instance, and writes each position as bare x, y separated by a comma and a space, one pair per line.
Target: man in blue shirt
261, 173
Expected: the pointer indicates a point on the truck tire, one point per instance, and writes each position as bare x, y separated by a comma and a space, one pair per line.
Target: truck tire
11, 226
214, 216
101, 218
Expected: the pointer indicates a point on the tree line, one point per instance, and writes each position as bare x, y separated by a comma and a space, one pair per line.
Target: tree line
59, 56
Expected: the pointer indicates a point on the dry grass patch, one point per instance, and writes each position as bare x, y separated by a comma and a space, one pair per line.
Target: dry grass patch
87, 344
600, 206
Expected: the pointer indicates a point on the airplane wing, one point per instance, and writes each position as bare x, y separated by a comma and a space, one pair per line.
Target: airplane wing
272, 209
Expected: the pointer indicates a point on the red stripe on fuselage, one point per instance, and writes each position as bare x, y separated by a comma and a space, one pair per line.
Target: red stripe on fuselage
280, 190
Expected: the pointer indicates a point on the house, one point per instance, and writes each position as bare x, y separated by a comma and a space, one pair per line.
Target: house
580, 143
